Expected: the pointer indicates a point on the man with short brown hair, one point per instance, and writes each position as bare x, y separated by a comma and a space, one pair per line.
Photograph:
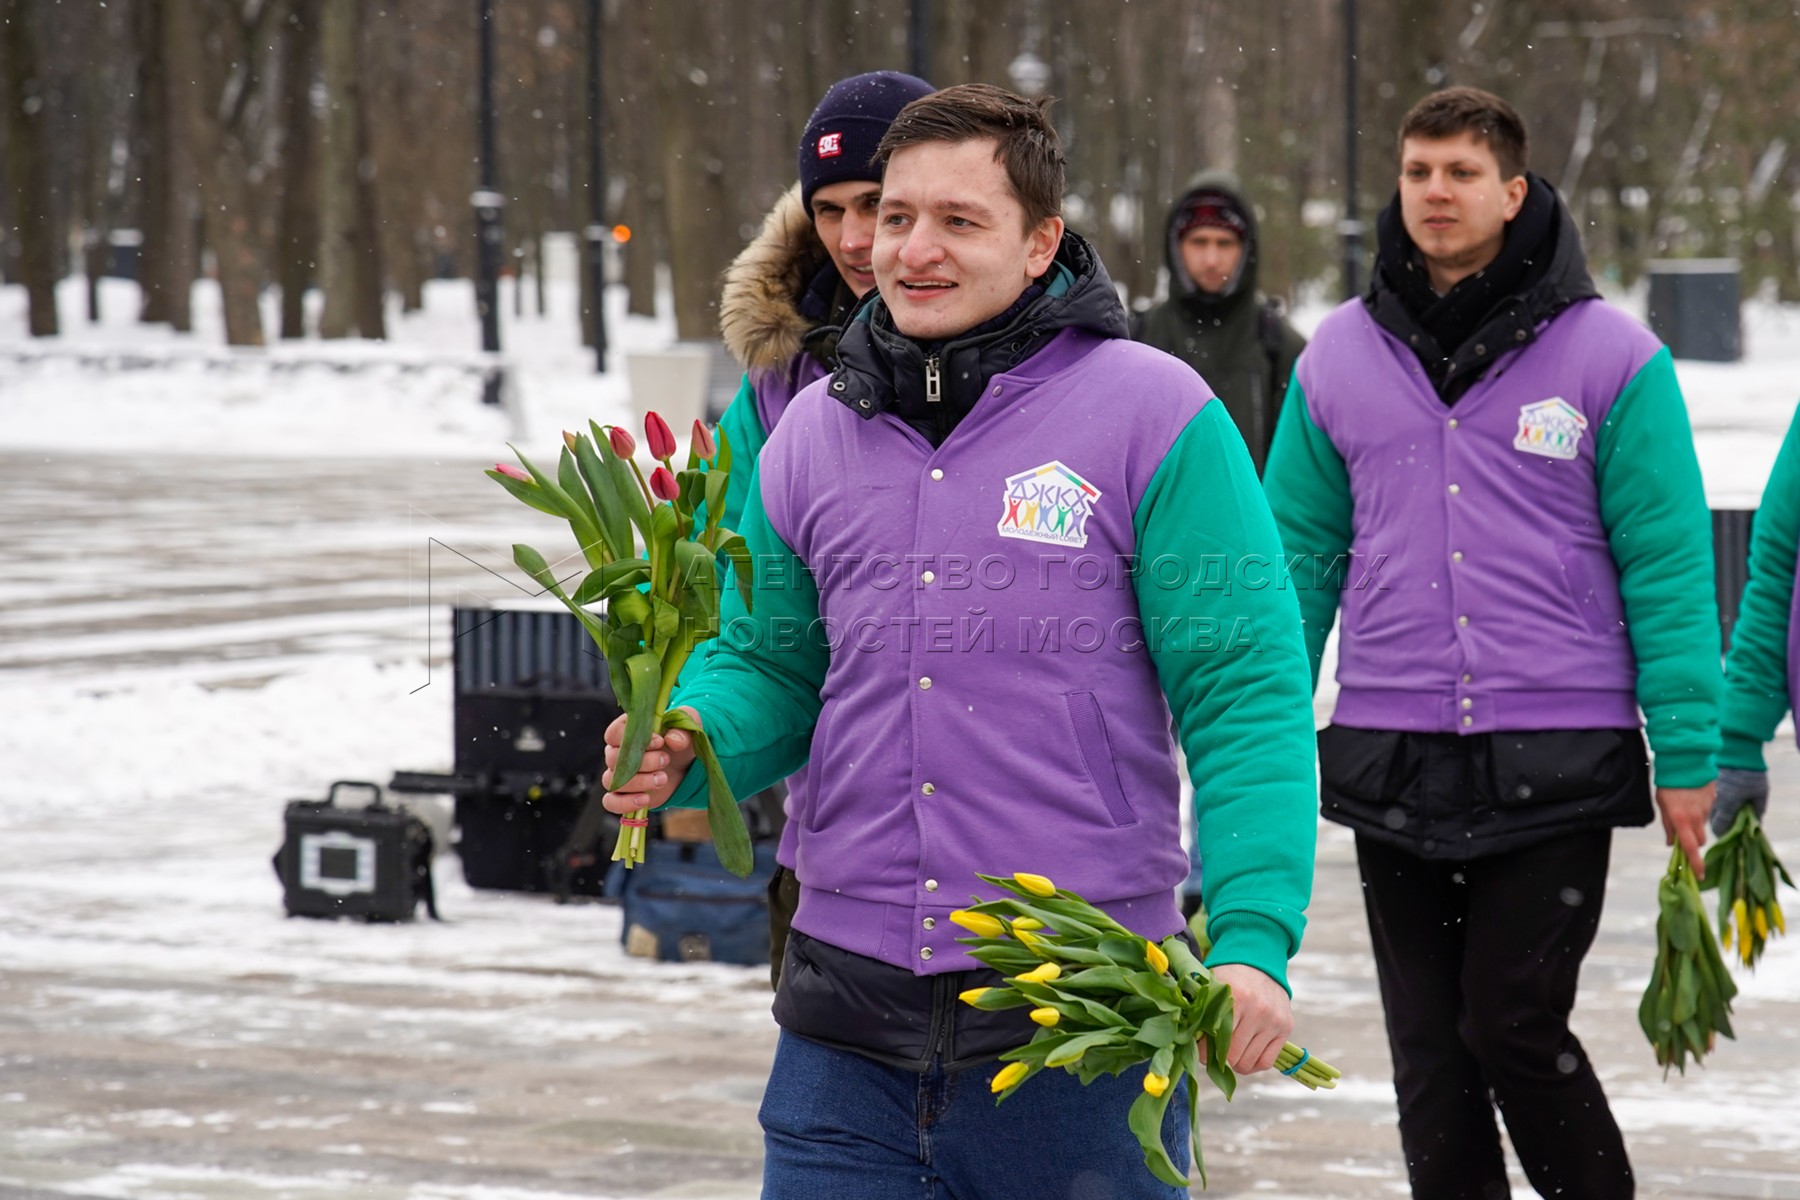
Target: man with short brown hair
1504, 461
947, 618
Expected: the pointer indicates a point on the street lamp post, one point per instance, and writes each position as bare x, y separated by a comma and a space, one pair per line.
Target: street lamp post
597, 232
488, 203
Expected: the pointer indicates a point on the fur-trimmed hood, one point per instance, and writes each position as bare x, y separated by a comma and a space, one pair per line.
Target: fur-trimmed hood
759, 312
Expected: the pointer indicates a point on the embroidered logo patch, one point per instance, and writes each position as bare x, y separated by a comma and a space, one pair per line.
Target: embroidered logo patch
1550, 427
831, 145
1048, 504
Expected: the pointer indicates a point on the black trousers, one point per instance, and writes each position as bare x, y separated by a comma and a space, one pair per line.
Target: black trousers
1478, 963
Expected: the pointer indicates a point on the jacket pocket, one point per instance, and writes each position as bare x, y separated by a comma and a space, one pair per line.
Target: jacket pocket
1097, 755
1567, 772
1598, 605
1360, 764
817, 761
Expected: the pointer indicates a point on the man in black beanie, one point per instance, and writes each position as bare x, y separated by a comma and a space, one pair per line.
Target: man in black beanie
787, 296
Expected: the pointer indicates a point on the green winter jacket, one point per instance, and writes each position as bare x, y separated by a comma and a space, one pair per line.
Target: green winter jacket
1756, 670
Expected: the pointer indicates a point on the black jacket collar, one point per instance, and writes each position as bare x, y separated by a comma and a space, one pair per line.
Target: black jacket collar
877, 364
1536, 281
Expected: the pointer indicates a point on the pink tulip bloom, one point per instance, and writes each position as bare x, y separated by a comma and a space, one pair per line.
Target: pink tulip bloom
623, 444
662, 483
512, 472
660, 437
702, 442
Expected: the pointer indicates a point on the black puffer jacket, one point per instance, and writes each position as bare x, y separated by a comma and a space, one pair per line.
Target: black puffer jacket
1237, 340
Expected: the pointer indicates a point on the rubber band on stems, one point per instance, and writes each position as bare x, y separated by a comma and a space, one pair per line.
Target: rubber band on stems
1304, 1055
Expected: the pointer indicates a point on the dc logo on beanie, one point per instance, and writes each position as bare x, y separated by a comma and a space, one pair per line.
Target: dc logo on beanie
831, 145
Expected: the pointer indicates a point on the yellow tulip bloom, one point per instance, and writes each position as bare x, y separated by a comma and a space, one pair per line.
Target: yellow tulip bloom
1010, 1074
1047, 1017
973, 995
1153, 954
1762, 923
1156, 1084
1028, 924
1042, 973
979, 924
1037, 885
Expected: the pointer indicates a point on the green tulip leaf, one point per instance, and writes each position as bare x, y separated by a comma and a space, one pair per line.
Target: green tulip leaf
525, 490
1146, 1119
645, 673
731, 839
615, 521
618, 576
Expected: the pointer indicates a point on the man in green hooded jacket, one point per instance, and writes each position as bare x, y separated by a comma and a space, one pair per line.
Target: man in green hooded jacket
1214, 319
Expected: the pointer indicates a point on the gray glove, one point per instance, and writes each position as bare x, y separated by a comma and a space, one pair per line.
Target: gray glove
1735, 789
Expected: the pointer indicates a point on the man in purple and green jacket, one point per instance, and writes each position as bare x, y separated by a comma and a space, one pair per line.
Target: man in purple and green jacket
993, 560
1763, 668
787, 298
1488, 473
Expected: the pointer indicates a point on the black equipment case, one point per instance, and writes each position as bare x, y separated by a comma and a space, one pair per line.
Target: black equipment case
373, 862
531, 707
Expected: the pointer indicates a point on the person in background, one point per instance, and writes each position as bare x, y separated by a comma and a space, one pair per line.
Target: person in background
1215, 319
1488, 472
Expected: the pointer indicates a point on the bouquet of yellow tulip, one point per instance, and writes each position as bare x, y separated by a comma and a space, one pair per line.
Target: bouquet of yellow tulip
1688, 1001
1743, 868
1105, 1000
646, 612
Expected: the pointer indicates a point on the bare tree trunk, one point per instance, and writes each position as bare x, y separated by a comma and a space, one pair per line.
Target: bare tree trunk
226, 198
371, 317
341, 240
29, 166
693, 178
172, 225
297, 241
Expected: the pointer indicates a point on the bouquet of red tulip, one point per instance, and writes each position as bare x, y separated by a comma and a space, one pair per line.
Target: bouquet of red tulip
646, 612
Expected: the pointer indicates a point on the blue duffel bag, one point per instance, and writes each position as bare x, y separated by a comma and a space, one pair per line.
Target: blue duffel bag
680, 905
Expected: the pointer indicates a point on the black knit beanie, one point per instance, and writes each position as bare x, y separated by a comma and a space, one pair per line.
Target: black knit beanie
841, 136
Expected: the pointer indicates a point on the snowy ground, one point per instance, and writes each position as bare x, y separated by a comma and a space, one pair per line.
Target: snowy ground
221, 595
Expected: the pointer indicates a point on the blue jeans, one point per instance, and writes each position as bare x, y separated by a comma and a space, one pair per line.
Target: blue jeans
838, 1126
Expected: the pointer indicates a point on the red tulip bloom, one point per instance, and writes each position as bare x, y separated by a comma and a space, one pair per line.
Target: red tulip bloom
662, 483
512, 472
623, 444
660, 437
702, 442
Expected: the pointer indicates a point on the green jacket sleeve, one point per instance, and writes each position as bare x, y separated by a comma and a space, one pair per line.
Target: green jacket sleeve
742, 424
1653, 506
1756, 680
1229, 655
758, 697
1309, 493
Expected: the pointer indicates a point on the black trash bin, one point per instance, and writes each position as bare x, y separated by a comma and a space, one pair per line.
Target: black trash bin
1694, 307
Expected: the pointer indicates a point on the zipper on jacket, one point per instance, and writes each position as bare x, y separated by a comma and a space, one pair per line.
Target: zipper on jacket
943, 1008
934, 381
